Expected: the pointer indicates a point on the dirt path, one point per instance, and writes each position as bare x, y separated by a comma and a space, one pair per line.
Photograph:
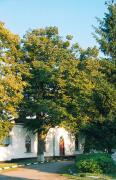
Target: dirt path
47, 171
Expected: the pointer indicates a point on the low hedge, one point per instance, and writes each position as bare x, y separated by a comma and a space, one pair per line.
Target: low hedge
94, 163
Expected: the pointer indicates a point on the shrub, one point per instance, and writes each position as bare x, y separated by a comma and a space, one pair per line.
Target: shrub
94, 163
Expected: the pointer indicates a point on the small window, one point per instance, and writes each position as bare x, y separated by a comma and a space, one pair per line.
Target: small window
7, 141
28, 144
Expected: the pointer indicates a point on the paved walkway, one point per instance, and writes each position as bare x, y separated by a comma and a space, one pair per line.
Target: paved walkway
47, 171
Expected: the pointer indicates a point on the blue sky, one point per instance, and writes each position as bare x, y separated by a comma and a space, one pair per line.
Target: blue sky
71, 16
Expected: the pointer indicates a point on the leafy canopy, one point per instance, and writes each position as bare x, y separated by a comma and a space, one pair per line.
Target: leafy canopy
11, 83
105, 34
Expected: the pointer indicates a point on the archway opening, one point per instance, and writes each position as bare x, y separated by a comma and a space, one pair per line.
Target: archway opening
61, 147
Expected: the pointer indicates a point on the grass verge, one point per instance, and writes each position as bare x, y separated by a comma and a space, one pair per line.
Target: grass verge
2, 165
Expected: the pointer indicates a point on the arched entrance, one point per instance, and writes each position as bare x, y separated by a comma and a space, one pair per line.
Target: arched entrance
61, 146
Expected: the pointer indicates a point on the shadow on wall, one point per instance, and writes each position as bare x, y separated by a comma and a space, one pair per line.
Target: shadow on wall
49, 143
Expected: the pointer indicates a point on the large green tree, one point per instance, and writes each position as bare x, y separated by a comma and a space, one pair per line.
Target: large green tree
100, 131
45, 53
67, 85
105, 34
59, 91
63, 90
11, 84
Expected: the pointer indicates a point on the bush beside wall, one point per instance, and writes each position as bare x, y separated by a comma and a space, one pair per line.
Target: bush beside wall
95, 163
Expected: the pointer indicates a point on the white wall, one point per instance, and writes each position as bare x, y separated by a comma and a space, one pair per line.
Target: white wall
52, 142
114, 156
17, 147
81, 143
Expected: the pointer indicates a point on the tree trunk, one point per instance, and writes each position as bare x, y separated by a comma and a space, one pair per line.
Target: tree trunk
41, 149
109, 150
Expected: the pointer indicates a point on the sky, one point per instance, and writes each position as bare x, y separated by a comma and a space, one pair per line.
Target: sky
74, 17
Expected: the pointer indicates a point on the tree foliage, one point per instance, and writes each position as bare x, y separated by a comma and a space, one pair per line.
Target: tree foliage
64, 85
48, 58
106, 32
11, 83
97, 133
5, 127
101, 133
68, 86
60, 88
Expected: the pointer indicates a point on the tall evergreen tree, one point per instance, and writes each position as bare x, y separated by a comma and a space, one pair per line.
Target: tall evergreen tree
104, 95
100, 132
106, 32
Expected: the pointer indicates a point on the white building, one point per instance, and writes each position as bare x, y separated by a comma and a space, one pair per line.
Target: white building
23, 144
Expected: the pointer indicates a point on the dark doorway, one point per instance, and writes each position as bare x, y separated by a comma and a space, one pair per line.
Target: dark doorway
61, 146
